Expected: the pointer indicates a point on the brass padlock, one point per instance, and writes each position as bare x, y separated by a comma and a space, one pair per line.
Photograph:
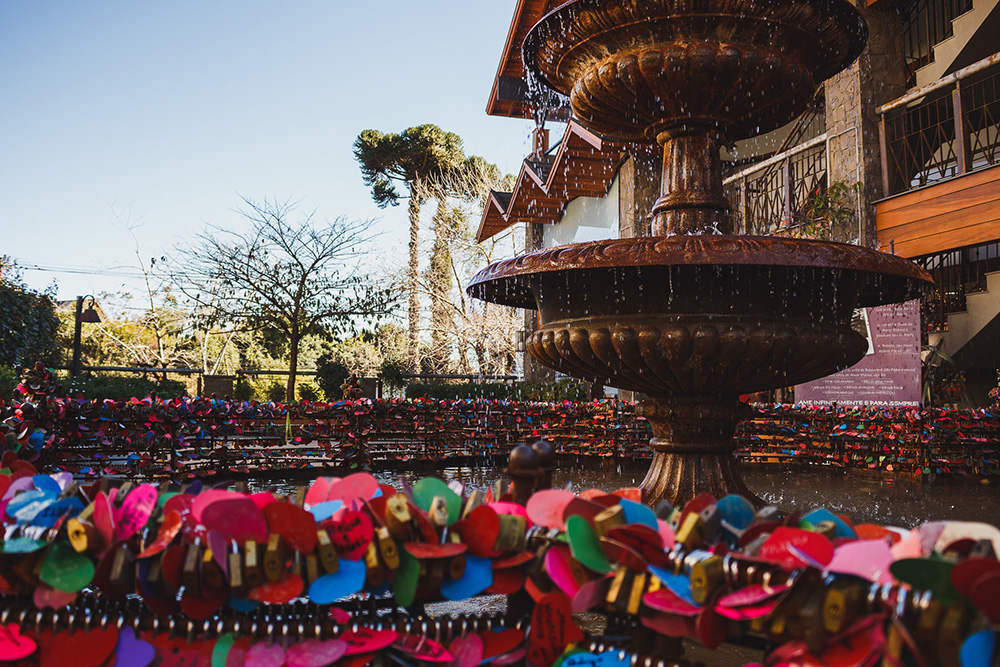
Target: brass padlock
711, 524
810, 620
234, 560
211, 572
707, 577
274, 558
387, 548
513, 535
691, 532
326, 551
438, 513
312, 569
253, 573
122, 575
639, 581
373, 570
608, 518
953, 631
397, 517
844, 603
191, 568
475, 499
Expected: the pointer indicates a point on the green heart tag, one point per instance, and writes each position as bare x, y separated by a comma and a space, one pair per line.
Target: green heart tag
585, 546
404, 588
65, 570
425, 490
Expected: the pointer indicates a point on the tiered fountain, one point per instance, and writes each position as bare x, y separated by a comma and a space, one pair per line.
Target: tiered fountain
694, 315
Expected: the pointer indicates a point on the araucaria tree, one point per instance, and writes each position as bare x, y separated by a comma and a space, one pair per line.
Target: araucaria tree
292, 278
413, 157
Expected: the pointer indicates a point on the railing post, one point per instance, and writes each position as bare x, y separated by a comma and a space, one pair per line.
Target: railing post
963, 152
786, 173
744, 207
884, 154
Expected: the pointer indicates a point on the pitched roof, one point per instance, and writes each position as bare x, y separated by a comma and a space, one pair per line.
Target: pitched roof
584, 165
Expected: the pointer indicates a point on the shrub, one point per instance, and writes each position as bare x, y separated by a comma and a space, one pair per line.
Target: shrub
391, 373
275, 392
8, 383
308, 392
242, 390
560, 390
330, 375
122, 387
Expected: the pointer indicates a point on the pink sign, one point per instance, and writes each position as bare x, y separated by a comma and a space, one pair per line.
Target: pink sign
889, 375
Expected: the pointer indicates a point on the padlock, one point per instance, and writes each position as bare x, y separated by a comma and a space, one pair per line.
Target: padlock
191, 568
809, 624
474, 500
711, 524
500, 489
438, 514
456, 567
300, 496
827, 529
274, 558
83, 535
253, 572
513, 535
844, 603
397, 517
953, 631
691, 532
211, 572
619, 590
373, 569
387, 548
983, 549
707, 577
312, 569
234, 559
608, 518
327, 552
122, 575
663, 510
155, 580
639, 581
894, 645
298, 567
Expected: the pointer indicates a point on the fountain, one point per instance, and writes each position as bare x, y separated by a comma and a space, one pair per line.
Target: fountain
694, 315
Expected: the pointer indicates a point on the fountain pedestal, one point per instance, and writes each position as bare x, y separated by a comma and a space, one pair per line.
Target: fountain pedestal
693, 446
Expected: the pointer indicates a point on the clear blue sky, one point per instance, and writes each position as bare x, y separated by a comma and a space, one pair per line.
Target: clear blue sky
174, 109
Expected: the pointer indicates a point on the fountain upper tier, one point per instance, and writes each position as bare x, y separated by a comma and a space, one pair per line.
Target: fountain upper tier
633, 70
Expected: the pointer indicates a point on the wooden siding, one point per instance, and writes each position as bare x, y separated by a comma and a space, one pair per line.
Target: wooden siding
959, 212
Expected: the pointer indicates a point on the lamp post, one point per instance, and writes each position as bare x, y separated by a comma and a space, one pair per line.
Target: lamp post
89, 315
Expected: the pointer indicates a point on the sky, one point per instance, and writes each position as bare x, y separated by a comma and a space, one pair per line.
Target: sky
162, 115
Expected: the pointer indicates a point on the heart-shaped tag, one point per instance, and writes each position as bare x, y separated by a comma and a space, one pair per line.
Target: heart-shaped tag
89, 650
169, 529
367, 640
546, 507
869, 559
295, 525
592, 594
787, 546
563, 570
236, 518
262, 655
665, 600
751, 595
467, 651
404, 587
479, 530
66, 570
317, 491
326, 509
425, 490
351, 535
133, 652
348, 579
978, 649
13, 645
606, 659
278, 592
135, 511
315, 653
478, 576
585, 546
359, 486
552, 628
44, 596
422, 648
499, 642
638, 513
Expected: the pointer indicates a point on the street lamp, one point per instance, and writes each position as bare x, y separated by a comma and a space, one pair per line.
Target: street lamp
89, 315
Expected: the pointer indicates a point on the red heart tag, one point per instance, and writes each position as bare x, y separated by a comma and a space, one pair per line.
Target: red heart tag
278, 592
791, 547
165, 535
592, 594
89, 649
712, 628
645, 541
422, 648
546, 507
13, 645
351, 534
479, 531
236, 518
751, 595
501, 641
552, 628
294, 524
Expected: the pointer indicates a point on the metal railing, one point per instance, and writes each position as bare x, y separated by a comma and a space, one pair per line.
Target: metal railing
956, 273
766, 197
926, 23
942, 130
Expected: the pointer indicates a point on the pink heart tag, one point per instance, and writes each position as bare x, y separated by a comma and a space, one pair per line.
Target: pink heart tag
45, 596
237, 518
359, 486
665, 600
467, 651
134, 511
13, 645
751, 595
104, 519
367, 640
559, 565
422, 648
748, 612
546, 507
787, 546
315, 653
591, 594
262, 655
868, 559
318, 490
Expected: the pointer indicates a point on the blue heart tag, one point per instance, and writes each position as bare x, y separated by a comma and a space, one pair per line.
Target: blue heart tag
478, 577
637, 513
325, 510
348, 579
678, 584
978, 649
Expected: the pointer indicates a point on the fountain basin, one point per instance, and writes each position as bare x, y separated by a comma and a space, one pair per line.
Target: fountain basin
699, 314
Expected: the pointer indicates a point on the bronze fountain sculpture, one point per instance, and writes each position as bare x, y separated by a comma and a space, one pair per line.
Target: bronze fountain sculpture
694, 315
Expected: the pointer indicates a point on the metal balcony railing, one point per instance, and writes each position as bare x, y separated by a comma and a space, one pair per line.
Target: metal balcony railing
942, 130
765, 197
926, 23
956, 273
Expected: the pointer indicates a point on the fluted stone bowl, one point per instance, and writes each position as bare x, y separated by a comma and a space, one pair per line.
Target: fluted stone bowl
633, 68
703, 314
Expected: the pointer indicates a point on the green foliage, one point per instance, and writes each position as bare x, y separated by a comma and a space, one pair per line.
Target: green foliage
827, 212
275, 392
123, 387
330, 375
391, 373
29, 326
8, 383
561, 390
308, 392
243, 390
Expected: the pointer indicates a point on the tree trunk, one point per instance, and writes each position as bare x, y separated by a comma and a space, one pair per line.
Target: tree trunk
293, 364
439, 279
413, 276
